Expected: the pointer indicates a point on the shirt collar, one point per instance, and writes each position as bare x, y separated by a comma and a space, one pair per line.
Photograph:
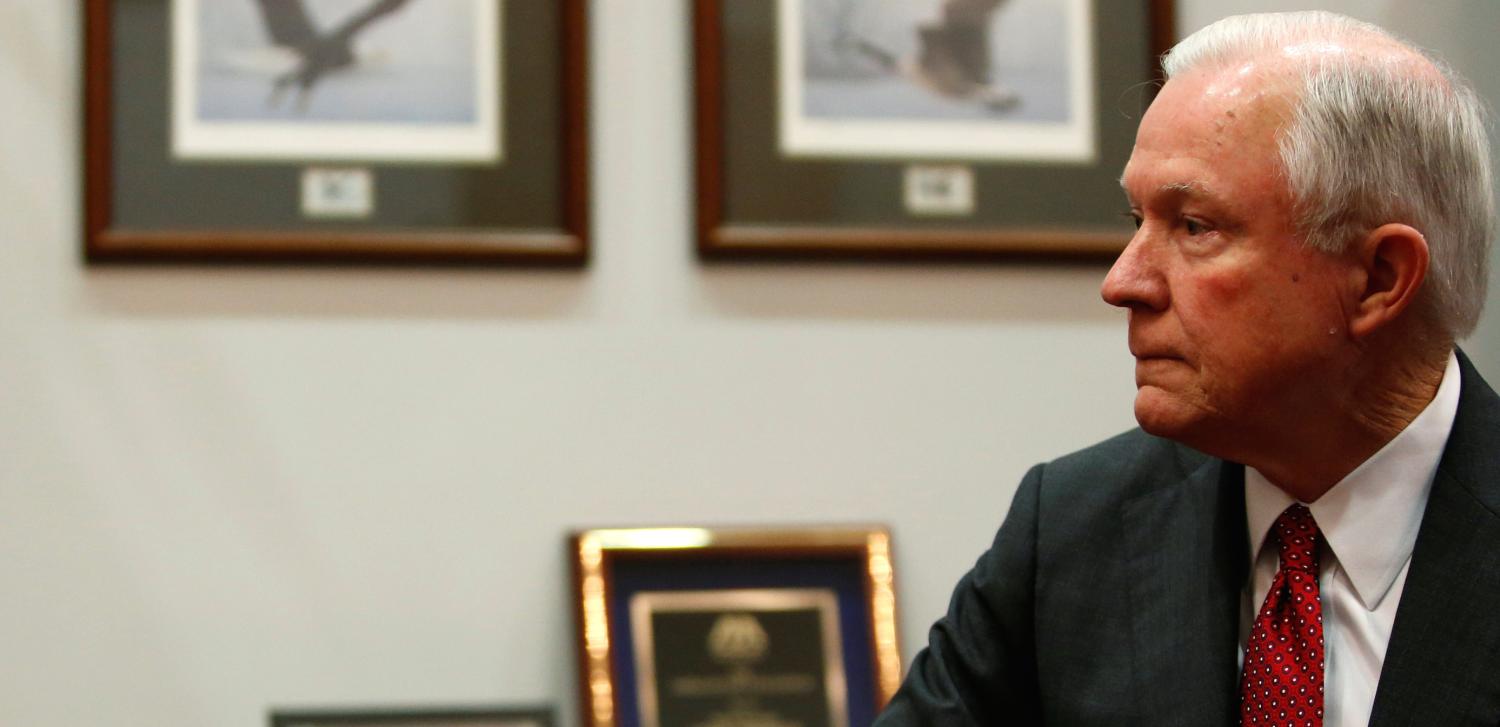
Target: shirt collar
1370, 518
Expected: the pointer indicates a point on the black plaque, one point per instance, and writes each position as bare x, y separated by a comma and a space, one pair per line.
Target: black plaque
739, 658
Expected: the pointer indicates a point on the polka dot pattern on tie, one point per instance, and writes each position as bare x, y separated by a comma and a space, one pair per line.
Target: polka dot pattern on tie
1282, 682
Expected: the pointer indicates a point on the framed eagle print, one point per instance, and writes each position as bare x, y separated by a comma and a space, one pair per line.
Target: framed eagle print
697, 626
919, 128
412, 131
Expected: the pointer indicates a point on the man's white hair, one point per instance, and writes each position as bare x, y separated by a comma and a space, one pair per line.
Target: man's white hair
1371, 141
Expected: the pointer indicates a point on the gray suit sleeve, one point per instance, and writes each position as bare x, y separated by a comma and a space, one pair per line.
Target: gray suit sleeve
979, 666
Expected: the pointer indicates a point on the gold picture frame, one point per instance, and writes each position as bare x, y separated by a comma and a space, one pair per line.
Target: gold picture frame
688, 624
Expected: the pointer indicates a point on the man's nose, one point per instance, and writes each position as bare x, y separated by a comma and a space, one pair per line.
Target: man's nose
1135, 280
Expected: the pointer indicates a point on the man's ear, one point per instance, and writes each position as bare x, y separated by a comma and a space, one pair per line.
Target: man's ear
1394, 260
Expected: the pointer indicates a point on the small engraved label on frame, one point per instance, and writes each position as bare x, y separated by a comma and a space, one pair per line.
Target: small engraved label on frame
940, 190
338, 192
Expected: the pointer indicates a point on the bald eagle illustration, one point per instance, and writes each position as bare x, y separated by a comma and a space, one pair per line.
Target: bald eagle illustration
953, 56
316, 53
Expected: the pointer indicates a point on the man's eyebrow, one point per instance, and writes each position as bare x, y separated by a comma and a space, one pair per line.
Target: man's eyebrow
1191, 189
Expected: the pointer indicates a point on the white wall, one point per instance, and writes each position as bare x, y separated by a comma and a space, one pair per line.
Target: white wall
224, 489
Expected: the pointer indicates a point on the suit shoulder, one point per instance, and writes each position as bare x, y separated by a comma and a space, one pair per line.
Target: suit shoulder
1122, 466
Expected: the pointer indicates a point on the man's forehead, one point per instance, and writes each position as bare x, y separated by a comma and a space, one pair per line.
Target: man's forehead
1252, 94
1205, 118
1210, 137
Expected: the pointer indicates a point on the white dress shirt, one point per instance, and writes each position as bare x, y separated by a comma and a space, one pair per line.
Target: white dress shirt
1369, 522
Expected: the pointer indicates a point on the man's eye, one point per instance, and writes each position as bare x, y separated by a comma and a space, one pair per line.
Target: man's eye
1193, 227
1134, 217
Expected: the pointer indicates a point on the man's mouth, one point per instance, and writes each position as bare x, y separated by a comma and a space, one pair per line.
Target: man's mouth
1144, 353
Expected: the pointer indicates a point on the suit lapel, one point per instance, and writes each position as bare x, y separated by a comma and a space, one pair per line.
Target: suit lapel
1186, 548
1443, 658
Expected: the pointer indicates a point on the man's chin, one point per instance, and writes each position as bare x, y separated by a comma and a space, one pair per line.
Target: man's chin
1169, 417
1160, 414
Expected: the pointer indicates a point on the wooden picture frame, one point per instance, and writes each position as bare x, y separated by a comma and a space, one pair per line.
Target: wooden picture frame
300, 197
884, 188
678, 624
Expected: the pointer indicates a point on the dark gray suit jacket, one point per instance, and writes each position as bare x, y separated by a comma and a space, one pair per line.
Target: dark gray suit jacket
1111, 595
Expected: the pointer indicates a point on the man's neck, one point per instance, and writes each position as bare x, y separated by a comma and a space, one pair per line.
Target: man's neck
1377, 404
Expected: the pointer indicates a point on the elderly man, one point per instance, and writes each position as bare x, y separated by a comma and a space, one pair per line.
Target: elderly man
1307, 531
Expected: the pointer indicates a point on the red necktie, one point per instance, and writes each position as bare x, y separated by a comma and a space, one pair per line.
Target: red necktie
1283, 679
